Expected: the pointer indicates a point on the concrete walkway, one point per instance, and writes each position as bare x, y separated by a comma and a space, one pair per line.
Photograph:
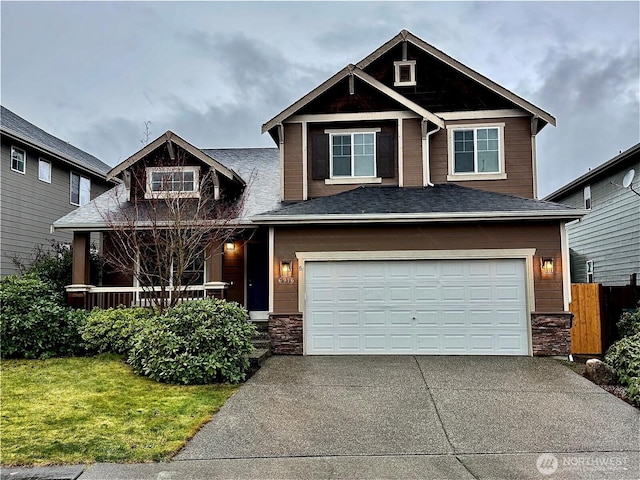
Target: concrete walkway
409, 417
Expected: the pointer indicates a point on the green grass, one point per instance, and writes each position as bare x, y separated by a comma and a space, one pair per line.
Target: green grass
94, 409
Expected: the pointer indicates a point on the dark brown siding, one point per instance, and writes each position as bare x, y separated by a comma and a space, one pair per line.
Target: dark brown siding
517, 151
544, 237
293, 162
412, 152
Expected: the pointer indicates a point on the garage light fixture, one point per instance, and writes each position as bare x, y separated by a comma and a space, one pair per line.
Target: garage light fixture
286, 272
230, 245
547, 266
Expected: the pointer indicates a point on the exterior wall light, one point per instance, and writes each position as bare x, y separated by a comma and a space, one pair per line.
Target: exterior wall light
286, 272
230, 245
547, 266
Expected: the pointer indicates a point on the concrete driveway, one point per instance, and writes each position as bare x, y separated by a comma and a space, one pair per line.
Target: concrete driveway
410, 417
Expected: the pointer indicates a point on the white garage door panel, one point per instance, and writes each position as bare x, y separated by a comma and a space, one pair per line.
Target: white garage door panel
418, 306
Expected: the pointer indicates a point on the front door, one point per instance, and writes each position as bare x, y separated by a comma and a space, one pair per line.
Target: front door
257, 277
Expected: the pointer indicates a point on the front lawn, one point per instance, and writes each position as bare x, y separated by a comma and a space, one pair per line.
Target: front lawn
94, 409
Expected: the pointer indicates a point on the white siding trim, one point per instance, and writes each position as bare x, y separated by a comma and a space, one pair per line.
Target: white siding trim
305, 154
400, 151
271, 260
480, 114
566, 266
350, 117
281, 149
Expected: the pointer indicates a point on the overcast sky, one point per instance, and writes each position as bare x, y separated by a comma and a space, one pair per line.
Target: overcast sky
213, 72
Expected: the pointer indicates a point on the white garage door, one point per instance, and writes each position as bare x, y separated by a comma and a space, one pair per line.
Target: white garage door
446, 307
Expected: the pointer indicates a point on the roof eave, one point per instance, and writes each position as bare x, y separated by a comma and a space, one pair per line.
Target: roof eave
596, 172
572, 214
53, 152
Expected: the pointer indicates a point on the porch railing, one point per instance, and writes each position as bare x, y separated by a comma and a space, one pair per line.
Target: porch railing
89, 296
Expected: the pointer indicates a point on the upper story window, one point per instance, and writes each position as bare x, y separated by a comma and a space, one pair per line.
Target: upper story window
80, 190
353, 154
587, 197
476, 152
18, 160
44, 170
404, 73
163, 182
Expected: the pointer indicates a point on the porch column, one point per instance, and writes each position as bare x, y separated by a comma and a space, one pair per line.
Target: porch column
214, 286
80, 273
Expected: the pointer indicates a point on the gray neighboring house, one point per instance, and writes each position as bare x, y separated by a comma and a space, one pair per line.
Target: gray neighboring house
42, 178
605, 244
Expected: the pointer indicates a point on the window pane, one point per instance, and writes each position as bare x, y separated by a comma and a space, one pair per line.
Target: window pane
75, 189
488, 156
463, 162
18, 160
488, 161
364, 163
341, 166
44, 171
364, 166
482, 134
85, 191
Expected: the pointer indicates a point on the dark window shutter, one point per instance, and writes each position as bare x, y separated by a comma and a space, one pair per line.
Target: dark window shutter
320, 157
384, 155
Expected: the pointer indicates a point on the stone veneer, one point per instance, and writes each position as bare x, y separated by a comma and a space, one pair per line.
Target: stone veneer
551, 333
285, 332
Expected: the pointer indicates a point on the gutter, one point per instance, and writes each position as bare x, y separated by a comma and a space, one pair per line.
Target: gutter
413, 217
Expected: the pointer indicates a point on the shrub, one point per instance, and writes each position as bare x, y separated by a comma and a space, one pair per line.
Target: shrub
629, 323
624, 357
112, 330
198, 342
33, 321
50, 265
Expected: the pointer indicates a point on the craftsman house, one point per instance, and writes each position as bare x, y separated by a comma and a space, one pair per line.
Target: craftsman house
398, 215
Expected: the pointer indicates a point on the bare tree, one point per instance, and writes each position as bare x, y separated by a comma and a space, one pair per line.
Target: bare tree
162, 234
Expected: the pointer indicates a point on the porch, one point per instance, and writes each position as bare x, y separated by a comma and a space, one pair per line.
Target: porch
235, 270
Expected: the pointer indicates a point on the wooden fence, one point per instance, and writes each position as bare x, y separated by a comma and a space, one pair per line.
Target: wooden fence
596, 310
586, 306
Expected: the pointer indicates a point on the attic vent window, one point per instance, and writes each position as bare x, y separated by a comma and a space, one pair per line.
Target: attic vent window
172, 182
405, 73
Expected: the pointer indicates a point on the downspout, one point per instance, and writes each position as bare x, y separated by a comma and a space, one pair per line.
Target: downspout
426, 166
534, 161
281, 151
566, 266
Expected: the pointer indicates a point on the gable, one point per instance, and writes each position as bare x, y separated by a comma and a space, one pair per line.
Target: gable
406, 41
439, 87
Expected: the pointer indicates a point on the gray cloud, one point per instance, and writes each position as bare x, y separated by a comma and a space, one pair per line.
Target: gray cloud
594, 95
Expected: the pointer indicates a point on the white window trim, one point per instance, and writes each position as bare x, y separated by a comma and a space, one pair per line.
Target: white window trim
351, 179
149, 194
467, 176
24, 160
71, 174
412, 68
42, 160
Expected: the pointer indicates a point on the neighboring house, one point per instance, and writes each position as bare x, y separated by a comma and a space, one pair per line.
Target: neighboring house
41, 179
605, 243
404, 220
